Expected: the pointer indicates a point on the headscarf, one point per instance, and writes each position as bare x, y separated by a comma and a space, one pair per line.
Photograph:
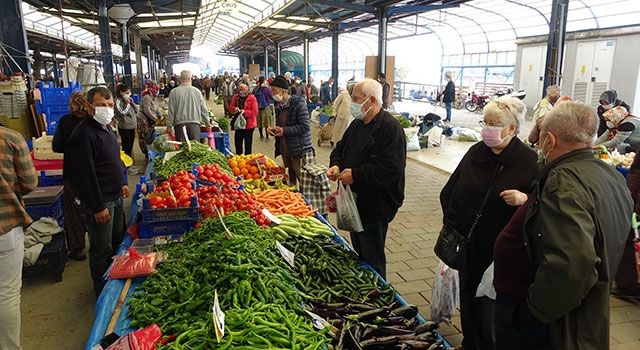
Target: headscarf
610, 96
151, 88
616, 115
76, 103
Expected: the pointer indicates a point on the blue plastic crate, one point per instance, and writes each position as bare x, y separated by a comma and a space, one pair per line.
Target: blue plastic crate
166, 228
53, 210
51, 96
29, 144
622, 170
170, 214
51, 260
324, 118
50, 180
222, 142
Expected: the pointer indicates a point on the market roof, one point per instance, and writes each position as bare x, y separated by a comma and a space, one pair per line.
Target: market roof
464, 27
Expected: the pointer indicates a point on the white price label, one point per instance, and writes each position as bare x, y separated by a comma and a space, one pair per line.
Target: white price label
218, 317
286, 254
271, 217
169, 155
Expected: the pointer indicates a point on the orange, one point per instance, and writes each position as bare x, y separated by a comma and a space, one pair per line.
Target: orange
242, 164
233, 163
236, 171
244, 171
256, 176
254, 169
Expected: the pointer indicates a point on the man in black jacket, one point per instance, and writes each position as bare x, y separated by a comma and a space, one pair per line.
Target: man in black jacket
371, 158
97, 176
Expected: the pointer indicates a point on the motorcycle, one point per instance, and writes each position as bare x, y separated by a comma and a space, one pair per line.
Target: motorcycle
477, 102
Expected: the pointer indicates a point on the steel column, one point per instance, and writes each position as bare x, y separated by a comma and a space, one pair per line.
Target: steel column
56, 76
105, 45
266, 62
334, 59
382, 40
305, 56
126, 56
14, 36
555, 43
148, 62
138, 45
277, 67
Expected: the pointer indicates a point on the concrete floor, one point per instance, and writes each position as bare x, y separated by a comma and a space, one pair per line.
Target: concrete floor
61, 315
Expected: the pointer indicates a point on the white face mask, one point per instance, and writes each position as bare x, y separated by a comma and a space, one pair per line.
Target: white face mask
356, 110
277, 98
542, 157
126, 95
103, 115
608, 107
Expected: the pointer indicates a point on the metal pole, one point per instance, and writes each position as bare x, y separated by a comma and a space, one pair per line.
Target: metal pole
126, 56
105, 45
555, 43
305, 54
382, 40
334, 59
266, 62
14, 37
138, 45
277, 67
148, 61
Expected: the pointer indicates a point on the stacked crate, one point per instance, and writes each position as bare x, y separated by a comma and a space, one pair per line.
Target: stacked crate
54, 103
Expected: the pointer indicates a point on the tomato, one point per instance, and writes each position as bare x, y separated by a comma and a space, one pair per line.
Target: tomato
208, 173
199, 169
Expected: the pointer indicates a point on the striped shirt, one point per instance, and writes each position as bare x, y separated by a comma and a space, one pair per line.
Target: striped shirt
18, 178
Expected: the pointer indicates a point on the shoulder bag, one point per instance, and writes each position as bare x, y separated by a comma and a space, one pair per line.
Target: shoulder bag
451, 243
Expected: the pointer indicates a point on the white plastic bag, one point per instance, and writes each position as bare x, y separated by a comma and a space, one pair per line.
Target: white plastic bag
486, 288
445, 295
435, 136
412, 134
348, 216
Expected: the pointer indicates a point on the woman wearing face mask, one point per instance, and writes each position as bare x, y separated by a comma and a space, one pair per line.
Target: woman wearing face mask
125, 112
147, 116
505, 168
246, 104
623, 131
608, 100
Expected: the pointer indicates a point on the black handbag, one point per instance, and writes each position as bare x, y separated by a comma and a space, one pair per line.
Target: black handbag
451, 243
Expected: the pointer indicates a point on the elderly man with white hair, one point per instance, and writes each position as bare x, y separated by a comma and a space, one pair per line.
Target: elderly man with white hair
186, 109
566, 243
371, 158
543, 106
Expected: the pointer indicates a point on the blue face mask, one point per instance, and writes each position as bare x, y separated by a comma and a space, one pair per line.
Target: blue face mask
356, 110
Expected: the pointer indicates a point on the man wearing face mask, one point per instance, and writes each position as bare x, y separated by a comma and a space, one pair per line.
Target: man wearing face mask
608, 100
502, 169
97, 175
292, 131
553, 276
371, 158
227, 90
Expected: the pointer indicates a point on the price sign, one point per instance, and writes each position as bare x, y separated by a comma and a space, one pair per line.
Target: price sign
286, 254
218, 317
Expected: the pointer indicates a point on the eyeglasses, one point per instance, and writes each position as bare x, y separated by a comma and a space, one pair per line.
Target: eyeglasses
486, 125
502, 105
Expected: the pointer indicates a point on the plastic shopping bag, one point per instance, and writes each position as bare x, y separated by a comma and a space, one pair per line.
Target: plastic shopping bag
348, 216
445, 295
143, 339
133, 265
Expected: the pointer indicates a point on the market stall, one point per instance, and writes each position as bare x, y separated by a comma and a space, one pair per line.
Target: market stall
265, 272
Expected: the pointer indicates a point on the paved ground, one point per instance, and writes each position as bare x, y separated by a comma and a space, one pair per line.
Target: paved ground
60, 315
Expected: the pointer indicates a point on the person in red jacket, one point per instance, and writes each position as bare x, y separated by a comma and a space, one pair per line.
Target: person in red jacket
246, 104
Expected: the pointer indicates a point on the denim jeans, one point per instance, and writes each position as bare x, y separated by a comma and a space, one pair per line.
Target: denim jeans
104, 239
447, 106
369, 244
11, 254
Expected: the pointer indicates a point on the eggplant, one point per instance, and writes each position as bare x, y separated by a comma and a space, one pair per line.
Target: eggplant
386, 342
390, 321
361, 306
369, 332
347, 299
384, 330
323, 304
368, 316
426, 327
407, 311
437, 345
374, 293
416, 344
326, 313
341, 336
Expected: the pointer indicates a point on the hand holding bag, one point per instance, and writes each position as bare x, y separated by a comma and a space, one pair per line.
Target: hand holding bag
451, 243
348, 216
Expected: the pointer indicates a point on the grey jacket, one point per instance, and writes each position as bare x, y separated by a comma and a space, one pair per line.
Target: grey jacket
186, 105
148, 109
125, 114
575, 231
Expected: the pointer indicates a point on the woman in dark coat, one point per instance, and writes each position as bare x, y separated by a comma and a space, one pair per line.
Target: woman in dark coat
509, 168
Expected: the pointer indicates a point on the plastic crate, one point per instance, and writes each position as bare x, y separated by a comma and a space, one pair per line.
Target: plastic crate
222, 142
51, 96
52, 259
51, 210
170, 214
623, 171
166, 228
29, 144
43, 149
50, 180
324, 118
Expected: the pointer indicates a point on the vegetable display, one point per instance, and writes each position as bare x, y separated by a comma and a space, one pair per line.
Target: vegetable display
283, 201
254, 286
182, 188
199, 153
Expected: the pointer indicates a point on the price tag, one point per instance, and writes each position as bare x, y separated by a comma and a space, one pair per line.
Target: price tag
319, 323
218, 317
286, 254
271, 217
169, 155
